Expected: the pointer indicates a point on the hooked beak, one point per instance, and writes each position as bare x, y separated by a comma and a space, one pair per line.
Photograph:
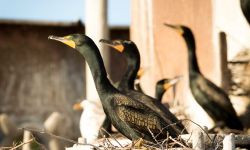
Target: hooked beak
117, 46
140, 73
77, 106
64, 40
171, 82
177, 28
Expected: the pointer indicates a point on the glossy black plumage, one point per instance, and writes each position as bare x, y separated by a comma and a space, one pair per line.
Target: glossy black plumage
129, 49
245, 7
209, 96
132, 118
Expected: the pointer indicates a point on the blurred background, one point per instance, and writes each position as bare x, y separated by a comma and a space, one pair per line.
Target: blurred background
39, 77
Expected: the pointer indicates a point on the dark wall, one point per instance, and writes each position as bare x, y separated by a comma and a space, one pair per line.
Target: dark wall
39, 76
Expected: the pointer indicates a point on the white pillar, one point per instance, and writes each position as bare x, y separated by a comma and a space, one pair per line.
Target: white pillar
96, 28
141, 32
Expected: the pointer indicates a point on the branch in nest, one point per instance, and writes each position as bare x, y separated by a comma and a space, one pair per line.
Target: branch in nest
23, 143
57, 137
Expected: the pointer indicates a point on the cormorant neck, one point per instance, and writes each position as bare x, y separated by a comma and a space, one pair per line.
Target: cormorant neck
96, 65
133, 65
159, 93
192, 59
129, 77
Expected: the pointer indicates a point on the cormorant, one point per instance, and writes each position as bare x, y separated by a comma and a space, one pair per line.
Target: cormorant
163, 85
209, 96
245, 7
132, 118
126, 85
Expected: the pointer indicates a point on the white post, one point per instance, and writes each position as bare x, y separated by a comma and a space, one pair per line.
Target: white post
229, 142
198, 140
96, 28
142, 33
27, 135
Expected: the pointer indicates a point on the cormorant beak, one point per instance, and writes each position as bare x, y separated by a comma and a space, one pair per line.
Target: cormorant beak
77, 106
66, 40
140, 73
177, 28
171, 82
118, 46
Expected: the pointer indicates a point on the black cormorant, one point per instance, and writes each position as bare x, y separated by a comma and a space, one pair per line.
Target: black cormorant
126, 85
129, 116
211, 98
163, 85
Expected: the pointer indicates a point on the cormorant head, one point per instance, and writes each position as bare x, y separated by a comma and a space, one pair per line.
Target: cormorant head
181, 29
124, 46
79, 105
165, 84
72, 40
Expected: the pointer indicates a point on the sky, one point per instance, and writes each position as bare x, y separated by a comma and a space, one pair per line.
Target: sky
61, 10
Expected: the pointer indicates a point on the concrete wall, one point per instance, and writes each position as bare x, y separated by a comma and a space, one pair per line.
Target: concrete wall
229, 18
164, 52
169, 52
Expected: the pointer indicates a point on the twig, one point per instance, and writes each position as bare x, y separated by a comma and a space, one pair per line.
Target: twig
112, 137
58, 137
41, 145
199, 127
177, 142
152, 134
23, 143
106, 139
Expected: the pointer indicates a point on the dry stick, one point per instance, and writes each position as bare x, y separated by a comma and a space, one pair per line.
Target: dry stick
103, 142
163, 142
172, 124
177, 142
152, 134
198, 126
157, 142
189, 137
41, 145
110, 144
22, 144
112, 137
58, 137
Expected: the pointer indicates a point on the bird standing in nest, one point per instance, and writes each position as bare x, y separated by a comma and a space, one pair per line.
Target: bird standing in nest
132, 118
209, 96
126, 85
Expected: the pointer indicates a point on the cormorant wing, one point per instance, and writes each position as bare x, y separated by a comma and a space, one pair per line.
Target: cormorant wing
218, 98
141, 118
156, 106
